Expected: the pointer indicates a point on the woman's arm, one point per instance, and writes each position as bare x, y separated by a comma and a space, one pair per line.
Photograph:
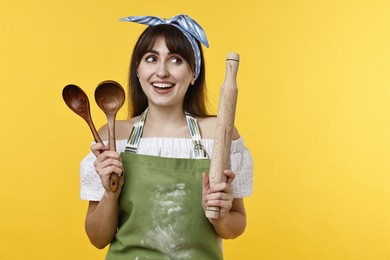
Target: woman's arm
102, 220
102, 217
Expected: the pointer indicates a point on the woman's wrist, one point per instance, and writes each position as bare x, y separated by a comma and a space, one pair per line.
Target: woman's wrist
111, 196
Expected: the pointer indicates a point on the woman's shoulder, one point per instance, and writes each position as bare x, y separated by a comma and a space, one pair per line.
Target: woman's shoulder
122, 129
208, 126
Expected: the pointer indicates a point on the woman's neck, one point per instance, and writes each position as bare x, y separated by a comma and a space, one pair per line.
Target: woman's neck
165, 122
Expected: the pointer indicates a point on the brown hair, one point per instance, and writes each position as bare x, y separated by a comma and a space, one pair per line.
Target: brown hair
176, 41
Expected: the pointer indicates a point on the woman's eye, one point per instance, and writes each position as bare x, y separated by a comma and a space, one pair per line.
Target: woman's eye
150, 59
176, 60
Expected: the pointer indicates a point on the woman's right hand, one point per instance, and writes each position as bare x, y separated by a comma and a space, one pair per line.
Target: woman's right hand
106, 163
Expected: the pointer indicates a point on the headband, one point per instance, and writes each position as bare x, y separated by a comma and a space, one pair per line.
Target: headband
189, 27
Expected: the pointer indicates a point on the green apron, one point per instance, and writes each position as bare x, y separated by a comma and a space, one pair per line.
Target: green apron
161, 210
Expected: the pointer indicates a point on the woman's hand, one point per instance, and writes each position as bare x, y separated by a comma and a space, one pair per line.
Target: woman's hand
106, 163
219, 195
232, 218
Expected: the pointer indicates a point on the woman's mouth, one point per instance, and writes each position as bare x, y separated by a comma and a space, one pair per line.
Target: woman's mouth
162, 85
162, 88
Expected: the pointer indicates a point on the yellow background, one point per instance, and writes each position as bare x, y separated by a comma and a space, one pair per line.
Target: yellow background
313, 109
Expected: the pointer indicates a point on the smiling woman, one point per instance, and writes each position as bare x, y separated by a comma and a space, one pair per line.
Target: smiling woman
164, 76
162, 151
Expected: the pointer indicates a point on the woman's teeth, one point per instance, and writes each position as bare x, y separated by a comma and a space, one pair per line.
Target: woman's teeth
162, 85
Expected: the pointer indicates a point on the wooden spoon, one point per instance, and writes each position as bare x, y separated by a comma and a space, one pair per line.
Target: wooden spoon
110, 97
76, 99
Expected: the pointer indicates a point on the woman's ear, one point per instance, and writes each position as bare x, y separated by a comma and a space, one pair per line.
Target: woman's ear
193, 80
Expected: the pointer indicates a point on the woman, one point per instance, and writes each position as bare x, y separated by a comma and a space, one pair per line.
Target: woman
158, 211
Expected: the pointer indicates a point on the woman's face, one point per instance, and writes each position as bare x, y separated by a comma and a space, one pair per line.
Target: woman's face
164, 76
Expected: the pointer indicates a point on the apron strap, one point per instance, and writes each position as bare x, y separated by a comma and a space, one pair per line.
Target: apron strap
136, 133
200, 152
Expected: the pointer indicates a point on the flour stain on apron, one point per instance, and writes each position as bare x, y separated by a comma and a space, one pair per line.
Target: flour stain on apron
163, 233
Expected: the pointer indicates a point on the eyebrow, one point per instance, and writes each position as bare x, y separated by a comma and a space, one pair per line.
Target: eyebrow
156, 52
152, 51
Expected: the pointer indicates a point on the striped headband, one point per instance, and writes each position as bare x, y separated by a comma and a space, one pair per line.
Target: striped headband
190, 28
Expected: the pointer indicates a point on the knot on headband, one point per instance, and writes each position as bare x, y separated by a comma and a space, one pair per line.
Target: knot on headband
189, 27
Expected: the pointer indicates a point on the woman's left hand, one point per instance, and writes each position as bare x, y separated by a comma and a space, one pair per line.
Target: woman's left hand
219, 195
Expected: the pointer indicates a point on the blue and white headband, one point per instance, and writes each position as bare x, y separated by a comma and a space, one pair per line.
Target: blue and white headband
190, 28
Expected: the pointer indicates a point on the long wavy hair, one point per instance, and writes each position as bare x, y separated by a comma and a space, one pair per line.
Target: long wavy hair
176, 41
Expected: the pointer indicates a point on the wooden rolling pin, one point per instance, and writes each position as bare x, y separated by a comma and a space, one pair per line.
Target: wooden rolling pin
225, 126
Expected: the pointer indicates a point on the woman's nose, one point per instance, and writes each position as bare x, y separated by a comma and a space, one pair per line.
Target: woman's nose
162, 70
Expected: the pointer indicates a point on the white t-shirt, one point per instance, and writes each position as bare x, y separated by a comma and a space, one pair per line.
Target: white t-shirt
241, 163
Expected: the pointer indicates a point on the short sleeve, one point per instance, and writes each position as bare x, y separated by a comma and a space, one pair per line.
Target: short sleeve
241, 163
91, 187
